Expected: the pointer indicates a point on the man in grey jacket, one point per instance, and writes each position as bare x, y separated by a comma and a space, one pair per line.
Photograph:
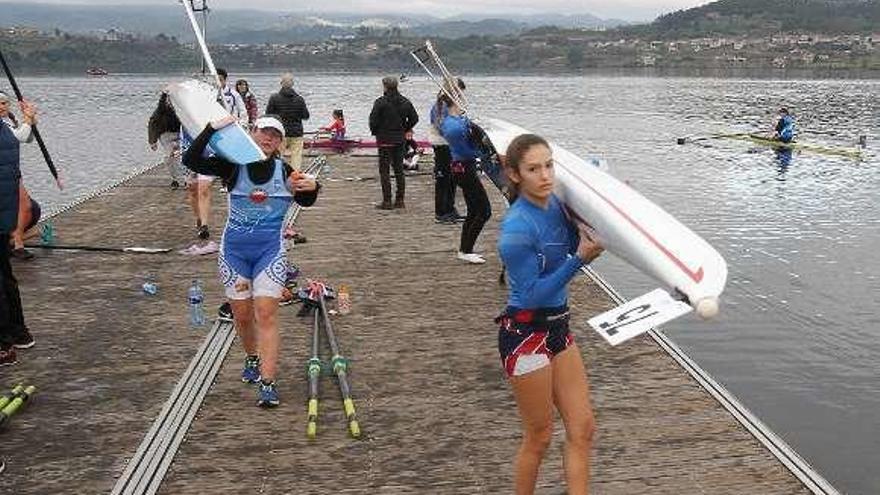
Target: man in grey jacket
291, 109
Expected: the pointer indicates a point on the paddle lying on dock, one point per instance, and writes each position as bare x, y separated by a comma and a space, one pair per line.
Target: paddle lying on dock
132, 249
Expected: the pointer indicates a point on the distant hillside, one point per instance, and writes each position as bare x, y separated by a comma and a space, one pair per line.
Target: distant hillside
743, 17
565, 21
255, 26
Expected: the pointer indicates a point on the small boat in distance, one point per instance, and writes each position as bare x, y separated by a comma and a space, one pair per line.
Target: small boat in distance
854, 153
96, 71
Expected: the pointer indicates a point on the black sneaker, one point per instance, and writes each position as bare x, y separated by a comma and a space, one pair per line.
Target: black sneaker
385, 205
7, 356
225, 312
22, 254
204, 234
24, 340
448, 219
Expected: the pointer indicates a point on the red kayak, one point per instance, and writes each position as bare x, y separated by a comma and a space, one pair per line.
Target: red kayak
348, 145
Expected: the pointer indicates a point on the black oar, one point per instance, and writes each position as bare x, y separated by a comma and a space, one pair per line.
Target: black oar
688, 139
134, 249
34, 126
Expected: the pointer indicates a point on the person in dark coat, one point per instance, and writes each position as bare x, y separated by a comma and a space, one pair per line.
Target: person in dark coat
13, 331
392, 118
291, 109
164, 128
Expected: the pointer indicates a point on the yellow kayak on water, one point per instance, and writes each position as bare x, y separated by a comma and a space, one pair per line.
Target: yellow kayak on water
855, 153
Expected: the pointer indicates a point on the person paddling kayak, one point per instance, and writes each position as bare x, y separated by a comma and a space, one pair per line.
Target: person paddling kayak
785, 130
252, 262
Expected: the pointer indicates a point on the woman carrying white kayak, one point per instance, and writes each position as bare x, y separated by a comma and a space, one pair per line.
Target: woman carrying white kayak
455, 128
543, 250
253, 265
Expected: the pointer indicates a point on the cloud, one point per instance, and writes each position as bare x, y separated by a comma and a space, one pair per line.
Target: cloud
625, 9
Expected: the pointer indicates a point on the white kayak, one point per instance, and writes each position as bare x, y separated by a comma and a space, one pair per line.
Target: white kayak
630, 226
196, 105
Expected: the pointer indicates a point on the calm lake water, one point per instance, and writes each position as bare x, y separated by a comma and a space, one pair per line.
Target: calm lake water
797, 340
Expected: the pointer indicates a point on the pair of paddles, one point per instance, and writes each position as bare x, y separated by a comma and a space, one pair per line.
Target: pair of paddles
11, 402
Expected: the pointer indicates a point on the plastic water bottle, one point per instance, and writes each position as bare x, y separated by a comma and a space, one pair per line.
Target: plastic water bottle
150, 287
343, 300
196, 308
47, 233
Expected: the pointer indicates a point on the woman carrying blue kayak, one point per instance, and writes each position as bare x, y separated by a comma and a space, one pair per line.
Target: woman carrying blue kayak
543, 250
253, 264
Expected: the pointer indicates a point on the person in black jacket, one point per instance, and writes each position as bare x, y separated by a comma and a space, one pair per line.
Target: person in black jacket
13, 331
291, 108
392, 117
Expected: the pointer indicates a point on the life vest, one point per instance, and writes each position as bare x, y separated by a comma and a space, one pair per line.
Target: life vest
10, 176
787, 132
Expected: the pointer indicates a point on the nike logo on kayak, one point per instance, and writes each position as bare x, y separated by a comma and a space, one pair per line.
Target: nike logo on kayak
696, 276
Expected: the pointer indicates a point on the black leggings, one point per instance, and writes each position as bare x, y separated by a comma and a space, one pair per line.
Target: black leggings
444, 188
11, 314
464, 175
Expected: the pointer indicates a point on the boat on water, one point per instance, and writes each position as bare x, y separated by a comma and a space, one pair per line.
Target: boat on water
97, 71
855, 153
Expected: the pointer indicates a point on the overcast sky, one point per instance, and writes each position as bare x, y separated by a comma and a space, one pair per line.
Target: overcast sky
636, 10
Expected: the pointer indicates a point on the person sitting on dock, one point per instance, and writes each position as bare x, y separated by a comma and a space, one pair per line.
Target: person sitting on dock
253, 264
785, 130
337, 127
543, 250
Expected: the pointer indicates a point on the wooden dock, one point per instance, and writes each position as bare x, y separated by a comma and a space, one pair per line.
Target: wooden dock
436, 412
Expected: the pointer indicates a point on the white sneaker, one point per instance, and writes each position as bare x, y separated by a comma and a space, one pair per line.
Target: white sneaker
471, 258
209, 248
192, 250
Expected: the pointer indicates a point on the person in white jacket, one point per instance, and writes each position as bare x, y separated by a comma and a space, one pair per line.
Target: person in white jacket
231, 99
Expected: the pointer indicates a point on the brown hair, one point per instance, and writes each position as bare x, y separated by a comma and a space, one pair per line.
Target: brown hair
517, 149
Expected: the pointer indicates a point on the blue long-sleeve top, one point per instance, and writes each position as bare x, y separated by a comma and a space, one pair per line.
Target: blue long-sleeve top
456, 130
537, 246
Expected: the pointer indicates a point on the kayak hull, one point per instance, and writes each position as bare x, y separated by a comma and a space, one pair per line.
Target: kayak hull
630, 226
796, 145
196, 105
